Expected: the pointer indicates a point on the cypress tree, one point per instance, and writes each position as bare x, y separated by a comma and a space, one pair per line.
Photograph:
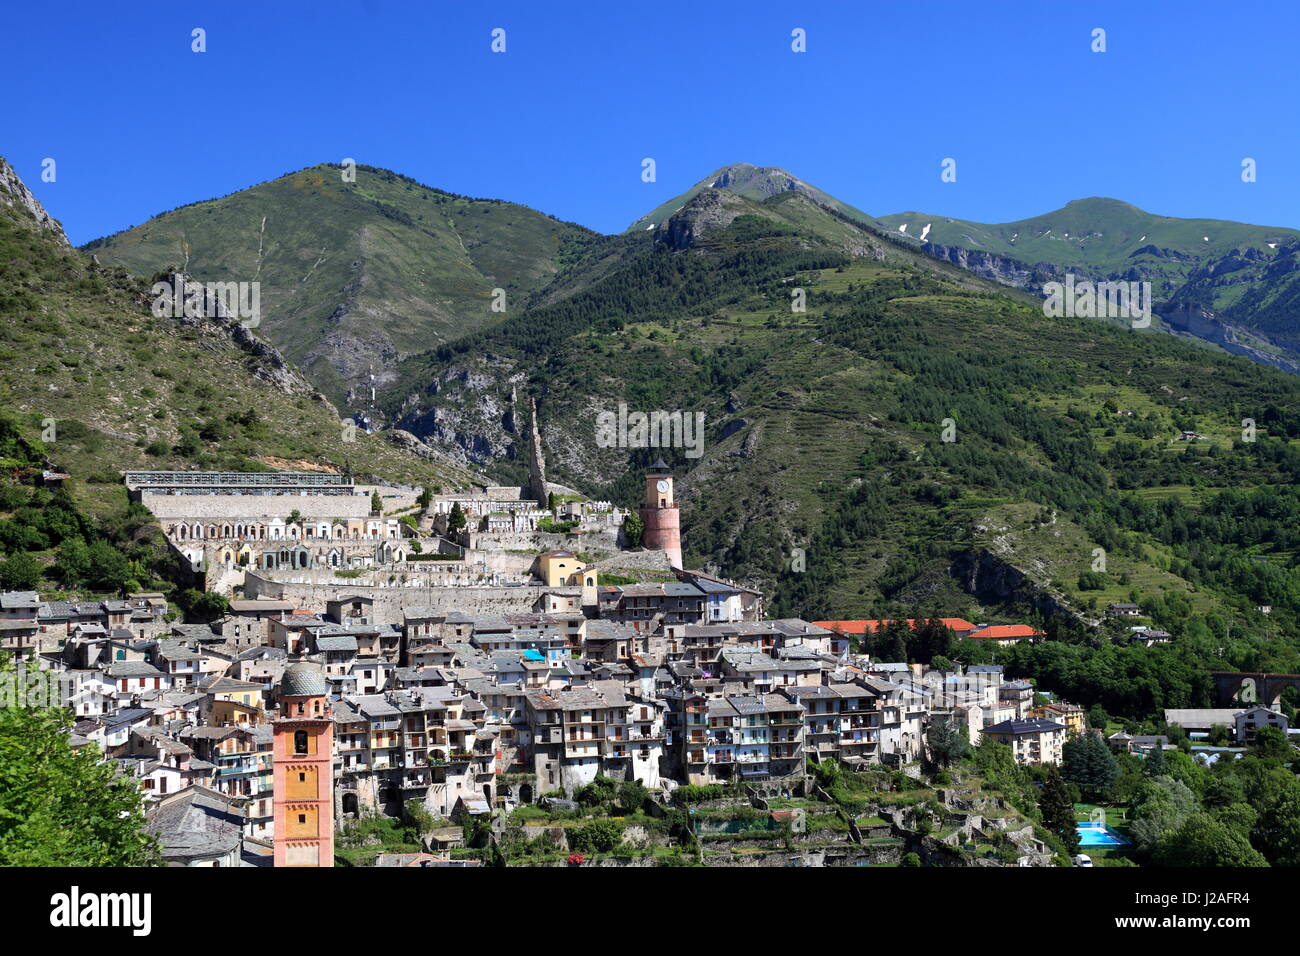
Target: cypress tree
1058, 812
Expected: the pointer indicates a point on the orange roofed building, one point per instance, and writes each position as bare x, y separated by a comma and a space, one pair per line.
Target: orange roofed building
1005, 633
859, 628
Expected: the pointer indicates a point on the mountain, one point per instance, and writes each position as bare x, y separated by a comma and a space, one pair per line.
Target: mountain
356, 274
825, 476
751, 182
94, 382
1229, 283
885, 433
1247, 299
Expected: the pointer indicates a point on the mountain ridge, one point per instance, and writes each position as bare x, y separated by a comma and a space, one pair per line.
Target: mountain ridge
381, 270
112, 385
355, 273
804, 408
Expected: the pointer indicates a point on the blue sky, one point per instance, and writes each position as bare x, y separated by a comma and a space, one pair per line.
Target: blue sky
138, 123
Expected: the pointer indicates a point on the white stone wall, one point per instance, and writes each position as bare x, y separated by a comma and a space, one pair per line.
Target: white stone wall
255, 506
389, 601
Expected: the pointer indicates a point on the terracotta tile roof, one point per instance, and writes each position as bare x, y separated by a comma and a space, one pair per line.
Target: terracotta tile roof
1003, 631
863, 627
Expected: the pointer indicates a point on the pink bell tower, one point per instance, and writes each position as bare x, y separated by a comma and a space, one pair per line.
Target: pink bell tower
303, 755
661, 516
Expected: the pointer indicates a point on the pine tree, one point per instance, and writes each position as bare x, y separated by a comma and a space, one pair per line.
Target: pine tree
1153, 764
1089, 765
456, 520
947, 743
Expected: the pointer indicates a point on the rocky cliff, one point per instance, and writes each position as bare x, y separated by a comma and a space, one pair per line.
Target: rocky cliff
216, 319
14, 192
1000, 269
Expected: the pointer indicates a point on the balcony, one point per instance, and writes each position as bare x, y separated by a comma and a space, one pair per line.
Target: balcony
858, 723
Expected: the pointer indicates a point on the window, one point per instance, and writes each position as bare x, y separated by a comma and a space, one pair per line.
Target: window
300, 741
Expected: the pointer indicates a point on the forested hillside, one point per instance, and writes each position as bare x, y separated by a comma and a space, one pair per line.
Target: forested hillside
826, 478
93, 383
358, 266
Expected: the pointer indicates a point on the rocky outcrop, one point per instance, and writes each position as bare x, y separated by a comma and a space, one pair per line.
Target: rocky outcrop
762, 181
407, 442
1205, 324
14, 192
708, 211
994, 579
1000, 269
213, 317
462, 413
536, 460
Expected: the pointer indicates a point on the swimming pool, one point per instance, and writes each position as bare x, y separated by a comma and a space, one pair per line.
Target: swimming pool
1096, 834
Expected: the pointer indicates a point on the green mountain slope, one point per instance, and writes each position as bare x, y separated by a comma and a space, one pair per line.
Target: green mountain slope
356, 274
1250, 291
824, 429
94, 383
1229, 283
1096, 236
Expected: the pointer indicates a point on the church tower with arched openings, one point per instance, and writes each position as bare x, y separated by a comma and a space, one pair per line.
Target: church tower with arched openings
660, 514
303, 769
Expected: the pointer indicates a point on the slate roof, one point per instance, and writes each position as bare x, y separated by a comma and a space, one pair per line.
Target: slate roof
1032, 725
19, 600
133, 669
340, 642
196, 823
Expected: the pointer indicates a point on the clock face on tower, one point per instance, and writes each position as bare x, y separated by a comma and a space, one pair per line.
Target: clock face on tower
662, 485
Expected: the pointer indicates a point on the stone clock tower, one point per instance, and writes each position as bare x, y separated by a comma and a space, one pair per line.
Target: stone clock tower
303, 755
660, 514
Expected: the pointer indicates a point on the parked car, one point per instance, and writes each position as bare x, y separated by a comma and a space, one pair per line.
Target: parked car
1083, 860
